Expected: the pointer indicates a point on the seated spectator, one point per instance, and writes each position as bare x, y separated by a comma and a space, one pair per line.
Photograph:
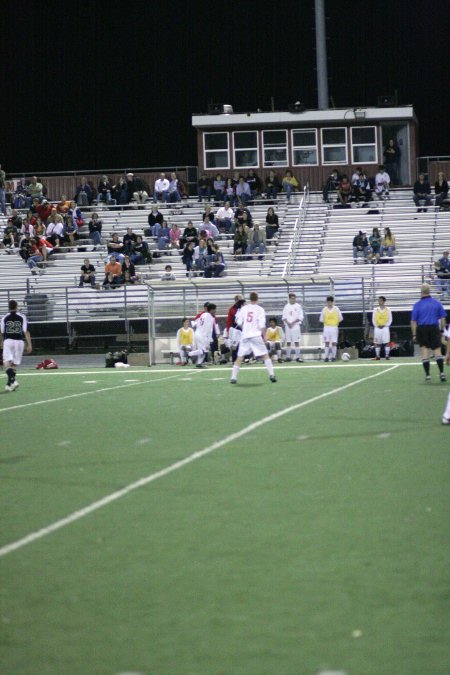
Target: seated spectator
344, 190
168, 274
20, 198
257, 240
382, 183
76, 214
374, 250
188, 257
70, 230
185, 341
35, 190
230, 192
225, 218
129, 275
442, 269
173, 191
273, 185
11, 234
26, 246
240, 240
422, 193
120, 191
104, 190
161, 190
44, 210
37, 225
129, 239
189, 235
360, 247
140, 254
136, 191
290, 184
54, 232
183, 189
95, 230
204, 188
41, 250
388, 244
63, 205
208, 229
175, 236
113, 272
243, 194
440, 190
272, 225
274, 339
208, 213
163, 237
361, 188
115, 248
83, 194
219, 188
155, 216
27, 227
255, 184
331, 185
215, 262
200, 255
243, 216
87, 274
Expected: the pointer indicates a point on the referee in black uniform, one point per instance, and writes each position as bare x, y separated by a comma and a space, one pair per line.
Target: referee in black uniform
427, 324
13, 332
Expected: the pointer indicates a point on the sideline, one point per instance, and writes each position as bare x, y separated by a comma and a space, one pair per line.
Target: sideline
114, 496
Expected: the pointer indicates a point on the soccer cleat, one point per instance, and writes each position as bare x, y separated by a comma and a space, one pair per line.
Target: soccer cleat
14, 385
280, 360
288, 359
428, 378
333, 359
326, 360
443, 377
299, 360
377, 358
445, 420
233, 381
200, 365
388, 358
8, 388
273, 378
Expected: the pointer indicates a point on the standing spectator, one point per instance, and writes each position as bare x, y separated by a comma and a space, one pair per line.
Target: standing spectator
204, 188
273, 185
2, 191
290, 184
382, 183
427, 323
388, 244
292, 318
392, 161
257, 240
360, 246
422, 193
87, 274
330, 317
272, 226
440, 189
95, 230
13, 332
83, 194
381, 320
219, 188
161, 190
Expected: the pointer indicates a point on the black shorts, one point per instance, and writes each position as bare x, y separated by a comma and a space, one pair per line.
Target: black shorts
429, 336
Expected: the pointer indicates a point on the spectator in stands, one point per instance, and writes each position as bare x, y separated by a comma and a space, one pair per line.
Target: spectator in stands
392, 161
361, 188
156, 229
63, 205
70, 230
219, 188
382, 183
243, 194
155, 216
168, 274
129, 239
442, 269
422, 193
113, 273
54, 232
175, 236
273, 185
240, 240
200, 255
129, 275
204, 188
95, 230
183, 189
83, 194
140, 254
344, 190
163, 236
161, 190
208, 213
35, 255
243, 215
173, 191
2, 191
189, 235
115, 248
44, 210
360, 247
230, 192
255, 184
331, 184
215, 261
37, 225
374, 250
19, 199
11, 235
76, 214
225, 217
104, 190
290, 184
388, 244
440, 189
87, 274
27, 227
120, 191
188, 257
35, 189
257, 240
272, 225
136, 189
210, 229
15, 219
25, 246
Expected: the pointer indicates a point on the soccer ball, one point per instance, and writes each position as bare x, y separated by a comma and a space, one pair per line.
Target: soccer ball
345, 356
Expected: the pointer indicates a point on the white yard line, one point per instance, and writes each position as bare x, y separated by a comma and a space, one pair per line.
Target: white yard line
114, 496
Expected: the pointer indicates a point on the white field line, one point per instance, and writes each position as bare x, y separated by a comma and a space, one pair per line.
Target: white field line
114, 496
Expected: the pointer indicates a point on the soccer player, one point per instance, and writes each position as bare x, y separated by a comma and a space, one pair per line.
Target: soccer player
232, 333
185, 341
13, 332
381, 320
274, 339
331, 317
292, 318
205, 324
427, 323
252, 319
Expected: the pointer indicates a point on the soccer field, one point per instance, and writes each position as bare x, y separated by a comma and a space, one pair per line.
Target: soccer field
160, 521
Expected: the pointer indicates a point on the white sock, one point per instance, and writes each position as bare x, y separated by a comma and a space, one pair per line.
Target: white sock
377, 351
387, 350
447, 409
333, 351
269, 365
234, 372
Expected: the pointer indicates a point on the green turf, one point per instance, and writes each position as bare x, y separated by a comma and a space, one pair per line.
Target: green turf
262, 557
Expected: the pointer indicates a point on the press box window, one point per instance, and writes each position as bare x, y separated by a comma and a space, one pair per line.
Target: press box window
304, 147
245, 149
275, 148
216, 150
334, 145
364, 147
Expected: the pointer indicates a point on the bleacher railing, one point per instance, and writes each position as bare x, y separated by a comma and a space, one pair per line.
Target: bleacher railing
296, 234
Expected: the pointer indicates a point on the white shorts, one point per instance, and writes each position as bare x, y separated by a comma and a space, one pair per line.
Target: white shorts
292, 334
381, 336
13, 351
252, 344
235, 336
330, 334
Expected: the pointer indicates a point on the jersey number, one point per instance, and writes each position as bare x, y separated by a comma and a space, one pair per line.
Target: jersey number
250, 317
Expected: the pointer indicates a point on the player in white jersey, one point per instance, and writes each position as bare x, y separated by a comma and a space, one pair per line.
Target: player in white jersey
292, 318
252, 319
204, 327
381, 319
